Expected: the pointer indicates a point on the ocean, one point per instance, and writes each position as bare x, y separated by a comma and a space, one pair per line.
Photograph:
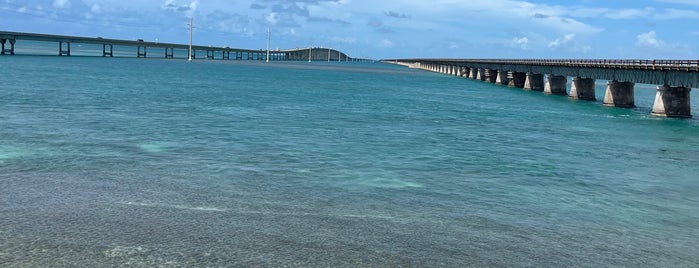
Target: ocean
124, 162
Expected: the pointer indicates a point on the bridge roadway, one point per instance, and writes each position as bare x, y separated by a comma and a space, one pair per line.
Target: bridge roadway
675, 78
8, 41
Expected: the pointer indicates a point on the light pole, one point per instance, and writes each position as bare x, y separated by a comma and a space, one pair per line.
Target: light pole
268, 42
191, 26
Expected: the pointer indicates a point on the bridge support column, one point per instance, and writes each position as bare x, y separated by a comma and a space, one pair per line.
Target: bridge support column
583, 89
534, 82
556, 85
517, 79
226, 55
473, 73
619, 94
209, 54
672, 102
142, 54
11, 50
169, 52
61, 51
491, 75
503, 77
465, 71
481, 74
107, 52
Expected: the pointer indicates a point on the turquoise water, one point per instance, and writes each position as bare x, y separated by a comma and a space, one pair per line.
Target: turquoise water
149, 162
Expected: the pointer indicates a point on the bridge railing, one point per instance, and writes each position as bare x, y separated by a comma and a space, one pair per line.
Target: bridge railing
681, 65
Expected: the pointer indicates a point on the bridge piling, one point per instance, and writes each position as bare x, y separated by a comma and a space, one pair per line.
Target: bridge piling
11, 50
534, 82
473, 73
619, 94
169, 52
209, 54
518, 79
194, 54
583, 89
140, 54
109, 53
61, 51
481, 74
556, 85
502, 78
672, 102
491, 75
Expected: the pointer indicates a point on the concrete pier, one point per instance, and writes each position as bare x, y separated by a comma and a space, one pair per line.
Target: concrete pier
583, 89
142, 54
517, 79
169, 52
534, 82
10, 50
491, 75
619, 94
61, 51
503, 77
473, 73
107, 52
678, 77
556, 85
672, 102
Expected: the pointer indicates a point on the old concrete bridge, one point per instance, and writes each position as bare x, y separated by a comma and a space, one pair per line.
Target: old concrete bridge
143, 49
674, 77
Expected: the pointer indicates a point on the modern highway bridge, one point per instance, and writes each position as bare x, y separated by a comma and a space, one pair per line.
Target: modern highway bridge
675, 78
144, 49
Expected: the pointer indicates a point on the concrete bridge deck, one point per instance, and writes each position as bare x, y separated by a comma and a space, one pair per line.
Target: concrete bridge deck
675, 78
8, 41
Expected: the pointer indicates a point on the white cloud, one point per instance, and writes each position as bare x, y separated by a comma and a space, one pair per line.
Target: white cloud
174, 5
61, 4
96, 8
561, 41
385, 43
343, 40
674, 14
272, 18
569, 43
521, 42
685, 2
629, 13
648, 40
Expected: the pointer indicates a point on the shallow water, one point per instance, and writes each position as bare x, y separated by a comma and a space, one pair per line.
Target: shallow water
149, 162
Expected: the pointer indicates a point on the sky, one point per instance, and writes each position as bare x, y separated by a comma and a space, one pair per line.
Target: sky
385, 29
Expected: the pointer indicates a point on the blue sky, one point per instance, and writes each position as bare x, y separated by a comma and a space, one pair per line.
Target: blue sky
643, 29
